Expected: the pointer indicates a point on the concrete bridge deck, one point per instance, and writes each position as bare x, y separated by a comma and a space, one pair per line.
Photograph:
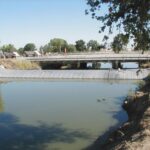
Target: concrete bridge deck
127, 57
133, 74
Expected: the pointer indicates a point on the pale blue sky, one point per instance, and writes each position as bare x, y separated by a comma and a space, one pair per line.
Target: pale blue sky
38, 21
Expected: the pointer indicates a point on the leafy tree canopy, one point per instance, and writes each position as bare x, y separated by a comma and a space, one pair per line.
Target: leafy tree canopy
58, 45
8, 48
93, 45
80, 45
132, 16
71, 48
119, 42
30, 47
46, 48
21, 50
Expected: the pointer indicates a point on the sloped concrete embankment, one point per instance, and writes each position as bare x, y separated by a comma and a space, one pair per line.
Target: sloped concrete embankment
134, 74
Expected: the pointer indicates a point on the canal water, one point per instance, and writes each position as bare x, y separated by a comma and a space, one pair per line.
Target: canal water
59, 115
107, 65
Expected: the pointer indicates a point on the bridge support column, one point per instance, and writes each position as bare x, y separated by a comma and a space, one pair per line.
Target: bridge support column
78, 65
139, 64
96, 65
116, 64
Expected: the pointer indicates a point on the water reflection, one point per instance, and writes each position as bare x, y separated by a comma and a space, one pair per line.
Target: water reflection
1, 105
90, 106
1, 101
98, 144
121, 116
16, 136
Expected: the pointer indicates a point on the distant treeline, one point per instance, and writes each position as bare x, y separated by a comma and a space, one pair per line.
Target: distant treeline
58, 45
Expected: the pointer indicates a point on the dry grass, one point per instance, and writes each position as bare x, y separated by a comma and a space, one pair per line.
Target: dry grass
146, 65
18, 64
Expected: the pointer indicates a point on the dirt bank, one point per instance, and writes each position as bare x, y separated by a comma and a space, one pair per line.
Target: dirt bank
145, 65
134, 134
18, 64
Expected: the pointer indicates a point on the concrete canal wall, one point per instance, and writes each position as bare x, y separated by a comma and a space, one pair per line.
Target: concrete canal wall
133, 74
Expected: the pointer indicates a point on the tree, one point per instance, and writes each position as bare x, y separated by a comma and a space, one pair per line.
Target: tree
132, 16
21, 50
119, 42
93, 45
8, 48
46, 48
71, 48
58, 45
80, 45
30, 47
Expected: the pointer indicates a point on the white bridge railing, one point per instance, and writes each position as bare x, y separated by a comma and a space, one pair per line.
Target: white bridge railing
92, 57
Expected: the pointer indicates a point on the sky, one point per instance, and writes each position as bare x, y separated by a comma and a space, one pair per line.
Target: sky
38, 21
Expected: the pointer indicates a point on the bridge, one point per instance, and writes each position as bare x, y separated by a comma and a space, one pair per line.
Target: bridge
93, 57
81, 60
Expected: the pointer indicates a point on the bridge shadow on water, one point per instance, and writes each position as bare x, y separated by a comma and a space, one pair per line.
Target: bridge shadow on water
17, 136
120, 116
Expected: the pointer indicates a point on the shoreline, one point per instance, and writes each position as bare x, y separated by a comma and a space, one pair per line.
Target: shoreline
135, 133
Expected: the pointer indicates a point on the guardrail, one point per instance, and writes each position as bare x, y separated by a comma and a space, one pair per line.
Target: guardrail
93, 57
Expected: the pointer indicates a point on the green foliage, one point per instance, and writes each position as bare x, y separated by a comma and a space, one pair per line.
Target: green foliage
8, 48
58, 45
142, 42
133, 16
21, 51
71, 48
46, 48
80, 45
119, 42
93, 45
30, 47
